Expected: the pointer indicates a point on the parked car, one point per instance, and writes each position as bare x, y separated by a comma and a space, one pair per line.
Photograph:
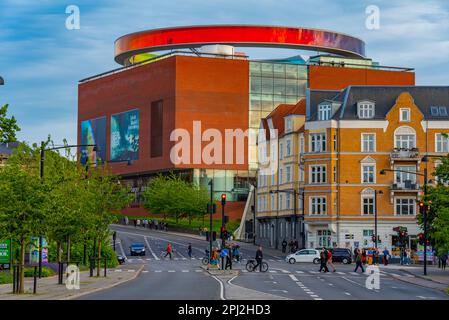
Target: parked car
137, 249
341, 255
304, 255
121, 259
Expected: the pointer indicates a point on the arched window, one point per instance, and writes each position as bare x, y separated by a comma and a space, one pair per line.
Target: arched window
367, 201
405, 138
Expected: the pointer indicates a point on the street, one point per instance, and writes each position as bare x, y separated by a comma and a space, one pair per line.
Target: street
183, 278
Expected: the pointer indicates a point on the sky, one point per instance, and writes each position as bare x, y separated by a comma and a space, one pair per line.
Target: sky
42, 61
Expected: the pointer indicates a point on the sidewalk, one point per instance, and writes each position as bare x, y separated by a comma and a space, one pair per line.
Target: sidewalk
435, 279
49, 289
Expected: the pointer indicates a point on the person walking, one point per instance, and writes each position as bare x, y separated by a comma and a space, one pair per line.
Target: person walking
259, 259
168, 251
296, 245
356, 251
126, 220
189, 250
228, 260
323, 261
284, 245
329, 260
237, 253
358, 262
135, 223
363, 256
386, 256
444, 261
290, 246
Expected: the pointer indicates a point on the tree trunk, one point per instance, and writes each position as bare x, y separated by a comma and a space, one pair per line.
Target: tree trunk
68, 250
99, 258
59, 251
21, 267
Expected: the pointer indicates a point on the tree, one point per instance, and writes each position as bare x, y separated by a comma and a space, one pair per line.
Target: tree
22, 213
176, 197
8, 126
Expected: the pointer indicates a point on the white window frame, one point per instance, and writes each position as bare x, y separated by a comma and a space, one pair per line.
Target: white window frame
442, 142
362, 204
301, 173
288, 147
288, 124
273, 202
362, 142
281, 202
288, 174
288, 201
401, 177
362, 171
405, 132
280, 177
401, 114
412, 202
281, 151
318, 139
319, 175
301, 144
324, 111
317, 203
366, 110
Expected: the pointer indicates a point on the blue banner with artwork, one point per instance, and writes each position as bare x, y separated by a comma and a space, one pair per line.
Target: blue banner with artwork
93, 132
125, 136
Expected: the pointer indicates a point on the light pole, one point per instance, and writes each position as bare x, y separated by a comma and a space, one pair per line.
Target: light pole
211, 210
42, 166
375, 216
254, 212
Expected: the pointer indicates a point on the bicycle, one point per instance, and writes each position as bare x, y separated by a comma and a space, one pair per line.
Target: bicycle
164, 255
251, 264
206, 260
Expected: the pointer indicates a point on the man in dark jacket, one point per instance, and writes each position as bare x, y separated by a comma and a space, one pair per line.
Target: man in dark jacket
259, 258
284, 245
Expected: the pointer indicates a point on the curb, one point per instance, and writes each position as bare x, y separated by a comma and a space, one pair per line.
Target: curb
421, 285
139, 271
219, 272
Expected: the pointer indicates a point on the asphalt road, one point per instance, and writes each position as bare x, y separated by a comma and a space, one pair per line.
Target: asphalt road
182, 278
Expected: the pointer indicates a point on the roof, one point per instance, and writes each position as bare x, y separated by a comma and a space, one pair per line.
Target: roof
283, 110
384, 98
7, 148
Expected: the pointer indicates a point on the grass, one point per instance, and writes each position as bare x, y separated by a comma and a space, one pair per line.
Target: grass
195, 224
5, 277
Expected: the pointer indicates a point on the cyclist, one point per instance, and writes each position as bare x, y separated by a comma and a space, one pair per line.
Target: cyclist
168, 251
259, 258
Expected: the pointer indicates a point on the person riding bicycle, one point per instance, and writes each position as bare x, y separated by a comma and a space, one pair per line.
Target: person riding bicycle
259, 258
168, 251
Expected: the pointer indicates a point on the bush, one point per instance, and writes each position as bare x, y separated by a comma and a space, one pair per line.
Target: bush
46, 272
5, 276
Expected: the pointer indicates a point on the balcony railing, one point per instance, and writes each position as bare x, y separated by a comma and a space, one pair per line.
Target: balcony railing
404, 154
407, 185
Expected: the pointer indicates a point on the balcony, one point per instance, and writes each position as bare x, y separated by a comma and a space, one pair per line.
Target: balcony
403, 154
405, 186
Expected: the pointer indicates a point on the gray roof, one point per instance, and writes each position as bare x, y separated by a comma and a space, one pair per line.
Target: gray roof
7, 148
314, 98
384, 98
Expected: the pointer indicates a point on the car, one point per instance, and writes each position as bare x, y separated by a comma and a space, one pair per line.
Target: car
137, 249
304, 255
121, 259
341, 255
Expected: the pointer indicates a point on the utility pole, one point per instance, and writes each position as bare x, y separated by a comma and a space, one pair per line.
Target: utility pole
223, 221
42, 178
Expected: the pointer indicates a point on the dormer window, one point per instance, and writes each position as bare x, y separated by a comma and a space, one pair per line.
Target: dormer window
324, 112
365, 110
404, 114
288, 124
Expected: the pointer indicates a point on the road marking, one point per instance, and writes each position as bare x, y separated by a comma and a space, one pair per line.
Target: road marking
285, 271
198, 270
171, 271
339, 272
330, 284
272, 271
157, 271
145, 271
184, 258
221, 287
280, 260
246, 271
293, 277
298, 271
151, 250
129, 270
176, 258
314, 272
317, 299
118, 270
148, 259
272, 260
347, 293
185, 271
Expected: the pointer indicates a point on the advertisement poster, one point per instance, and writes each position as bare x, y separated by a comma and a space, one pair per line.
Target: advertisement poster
93, 132
125, 136
34, 251
5, 253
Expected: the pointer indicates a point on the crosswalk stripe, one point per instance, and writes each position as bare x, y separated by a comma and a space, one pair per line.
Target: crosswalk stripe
157, 271
293, 277
198, 270
298, 271
131, 270
148, 259
171, 271
145, 271
185, 271
272, 271
280, 260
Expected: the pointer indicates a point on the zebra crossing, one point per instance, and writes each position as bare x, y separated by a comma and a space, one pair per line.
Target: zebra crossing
339, 273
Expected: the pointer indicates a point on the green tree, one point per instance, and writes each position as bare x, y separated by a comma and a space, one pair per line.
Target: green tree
22, 198
8, 126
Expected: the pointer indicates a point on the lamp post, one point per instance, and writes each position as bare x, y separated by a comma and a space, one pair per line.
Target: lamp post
254, 213
42, 166
211, 210
375, 216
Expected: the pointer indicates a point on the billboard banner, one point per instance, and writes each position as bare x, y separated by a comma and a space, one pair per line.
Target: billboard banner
33, 251
125, 136
93, 132
5, 252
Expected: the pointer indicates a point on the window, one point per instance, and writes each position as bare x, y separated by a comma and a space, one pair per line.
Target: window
280, 178
281, 151
324, 238
317, 174
368, 142
288, 201
367, 205
324, 112
442, 111
281, 202
406, 174
288, 174
273, 202
317, 142
288, 124
368, 233
405, 206
318, 205
405, 138
404, 114
441, 143
301, 173
365, 110
273, 179
368, 173
335, 142
335, 174
288, 148
301, 143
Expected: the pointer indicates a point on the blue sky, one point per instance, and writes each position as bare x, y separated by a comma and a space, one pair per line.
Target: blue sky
41, 61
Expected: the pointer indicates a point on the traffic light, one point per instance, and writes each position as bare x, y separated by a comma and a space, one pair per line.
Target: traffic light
373, 238
422, 207
223, 199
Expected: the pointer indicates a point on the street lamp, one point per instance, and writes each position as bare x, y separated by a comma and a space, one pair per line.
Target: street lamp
254, 212
375, 216
42, 163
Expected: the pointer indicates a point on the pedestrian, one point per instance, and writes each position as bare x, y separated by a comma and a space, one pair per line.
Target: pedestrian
237, 253
138, 222
329, 260
358, 262
126, 220
376, 256
259, 259
290, 246
135, 223
444, 261
228, 260
356, 251
364, 256
323, 261
402, 256
284, 245
296, 245
189, 250
386, 256
168, 251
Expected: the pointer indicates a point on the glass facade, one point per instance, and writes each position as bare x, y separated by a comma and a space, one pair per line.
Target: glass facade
271, 84
235, 183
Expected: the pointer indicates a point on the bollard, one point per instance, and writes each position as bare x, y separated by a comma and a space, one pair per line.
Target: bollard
105, 266
35, 280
